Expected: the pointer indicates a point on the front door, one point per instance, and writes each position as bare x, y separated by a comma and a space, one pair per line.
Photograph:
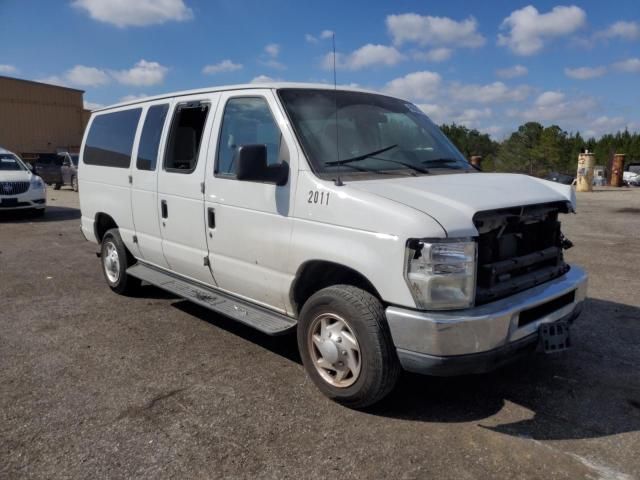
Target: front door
248, 223
144, 183
181, 188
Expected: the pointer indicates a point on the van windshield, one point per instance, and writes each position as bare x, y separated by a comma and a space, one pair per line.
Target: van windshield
364, 133
10, 162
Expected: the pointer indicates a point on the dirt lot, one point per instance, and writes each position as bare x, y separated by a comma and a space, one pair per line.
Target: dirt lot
94, 385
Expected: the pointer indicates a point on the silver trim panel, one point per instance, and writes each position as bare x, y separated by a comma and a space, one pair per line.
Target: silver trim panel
486, 327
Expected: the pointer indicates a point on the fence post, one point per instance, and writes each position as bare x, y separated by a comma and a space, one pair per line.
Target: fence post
476, 161
584, 177
617, 170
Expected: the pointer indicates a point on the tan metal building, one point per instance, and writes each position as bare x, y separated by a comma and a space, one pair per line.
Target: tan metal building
40, 118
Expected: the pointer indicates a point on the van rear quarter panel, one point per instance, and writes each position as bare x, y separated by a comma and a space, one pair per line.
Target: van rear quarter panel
105, 190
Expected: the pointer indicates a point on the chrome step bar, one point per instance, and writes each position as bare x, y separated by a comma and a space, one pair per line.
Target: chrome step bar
260, 318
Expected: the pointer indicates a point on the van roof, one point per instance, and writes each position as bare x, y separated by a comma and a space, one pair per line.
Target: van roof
244, 86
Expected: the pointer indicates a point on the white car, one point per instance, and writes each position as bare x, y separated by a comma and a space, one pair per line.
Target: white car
20, 188
632, 175
344, 214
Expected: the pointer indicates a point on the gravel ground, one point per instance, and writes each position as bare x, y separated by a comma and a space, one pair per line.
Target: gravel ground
95, 385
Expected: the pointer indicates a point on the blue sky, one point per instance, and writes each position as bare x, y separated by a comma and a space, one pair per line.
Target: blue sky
489, 65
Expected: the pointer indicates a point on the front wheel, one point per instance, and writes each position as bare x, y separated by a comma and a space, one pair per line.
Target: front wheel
57, 185
346, 346
115, 261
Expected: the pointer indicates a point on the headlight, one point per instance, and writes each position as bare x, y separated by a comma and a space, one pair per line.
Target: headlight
37, 183
441, 274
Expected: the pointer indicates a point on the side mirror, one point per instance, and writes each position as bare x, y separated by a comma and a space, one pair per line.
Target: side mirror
251, 161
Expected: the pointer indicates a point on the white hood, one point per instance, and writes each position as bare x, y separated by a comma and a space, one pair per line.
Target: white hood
15, 176
453, 199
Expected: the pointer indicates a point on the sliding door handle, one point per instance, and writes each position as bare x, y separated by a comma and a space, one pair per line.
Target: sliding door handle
164, 209
211, 217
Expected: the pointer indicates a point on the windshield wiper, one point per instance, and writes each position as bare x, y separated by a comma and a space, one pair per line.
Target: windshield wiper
442, 163
361, 157
373, 155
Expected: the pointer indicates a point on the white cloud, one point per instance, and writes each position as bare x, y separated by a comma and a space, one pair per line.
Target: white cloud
528, 30
324, 35
603, 124
273, 50
143, 73
585, 73
512, 72
132, 97
495, 92
631, 65
270, 57
221, 67
4, 68
553, 106
138, 13
415, 86
83, 76
262, 79
434, 55
621, 29
92, 105
434, 31
79, 76
366, 56
549, 98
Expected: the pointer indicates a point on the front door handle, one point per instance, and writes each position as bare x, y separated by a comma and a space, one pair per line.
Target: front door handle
164, 209
211, 217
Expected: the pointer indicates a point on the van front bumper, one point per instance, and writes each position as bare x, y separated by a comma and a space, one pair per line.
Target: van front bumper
480, 339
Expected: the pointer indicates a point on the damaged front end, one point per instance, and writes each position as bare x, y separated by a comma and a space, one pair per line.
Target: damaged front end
519, 248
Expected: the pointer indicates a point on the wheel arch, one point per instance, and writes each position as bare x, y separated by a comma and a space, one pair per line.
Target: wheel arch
314, 275
103, 222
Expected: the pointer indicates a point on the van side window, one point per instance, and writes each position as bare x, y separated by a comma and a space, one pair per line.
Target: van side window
246, 121
110, 139
183, 145
150, 137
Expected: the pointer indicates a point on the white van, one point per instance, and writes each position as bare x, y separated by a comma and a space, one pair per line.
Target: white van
343, 213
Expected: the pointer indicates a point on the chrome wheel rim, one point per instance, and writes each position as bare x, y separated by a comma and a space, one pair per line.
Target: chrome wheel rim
111, 262
334, 350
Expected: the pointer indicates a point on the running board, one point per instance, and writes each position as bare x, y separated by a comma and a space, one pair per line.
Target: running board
260, 318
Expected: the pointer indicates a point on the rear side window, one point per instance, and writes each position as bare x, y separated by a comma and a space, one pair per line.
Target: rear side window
247, 121
150, 138
110, 139
183, 145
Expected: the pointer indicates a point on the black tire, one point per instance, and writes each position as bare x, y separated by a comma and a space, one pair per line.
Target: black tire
120, 283
57, 186
74, 183
364, 313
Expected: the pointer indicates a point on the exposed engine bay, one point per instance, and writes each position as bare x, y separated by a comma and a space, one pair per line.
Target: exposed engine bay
519, 248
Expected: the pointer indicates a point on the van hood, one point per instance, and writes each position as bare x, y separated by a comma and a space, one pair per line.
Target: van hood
15, 176
453, 199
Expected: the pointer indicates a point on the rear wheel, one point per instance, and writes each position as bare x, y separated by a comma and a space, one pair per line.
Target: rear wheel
346, 346
74, 183
115, 261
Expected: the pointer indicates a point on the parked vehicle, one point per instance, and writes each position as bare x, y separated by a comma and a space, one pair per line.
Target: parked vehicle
20, 188
69, 169
344, 214
49, 167
560, 178
631, 174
